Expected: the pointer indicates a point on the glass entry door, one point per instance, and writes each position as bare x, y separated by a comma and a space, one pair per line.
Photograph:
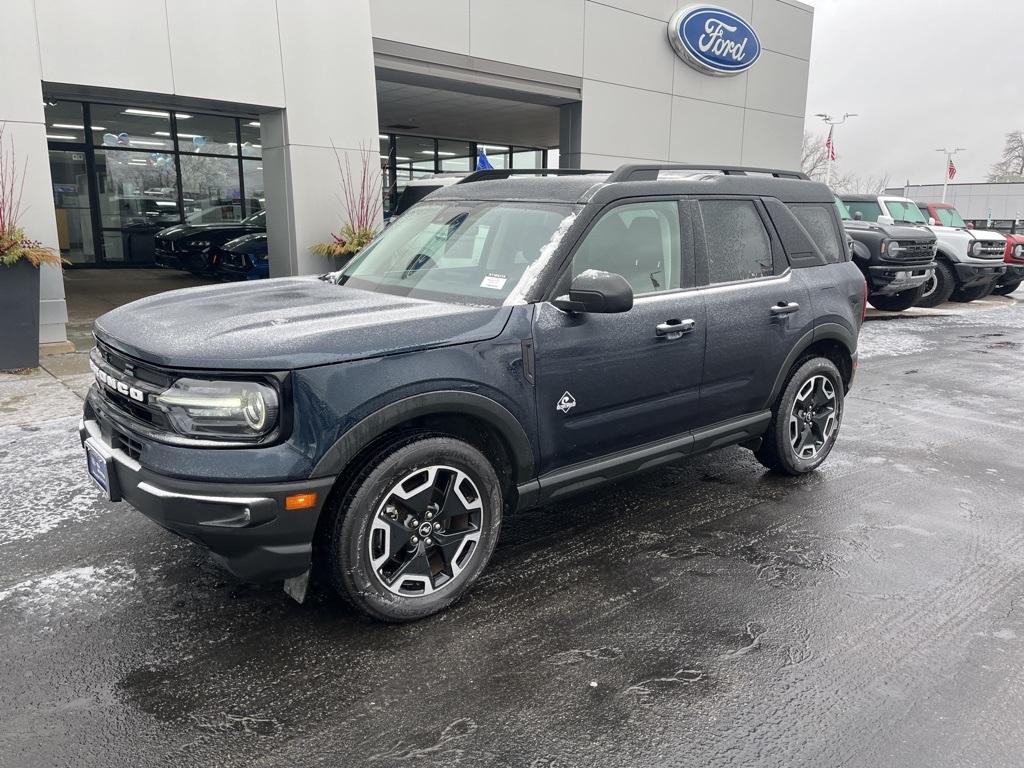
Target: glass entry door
70, 176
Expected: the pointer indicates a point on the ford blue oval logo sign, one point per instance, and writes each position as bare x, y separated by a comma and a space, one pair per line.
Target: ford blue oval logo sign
713, 40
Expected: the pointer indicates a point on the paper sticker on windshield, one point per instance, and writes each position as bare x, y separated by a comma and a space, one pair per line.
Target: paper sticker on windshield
494, 282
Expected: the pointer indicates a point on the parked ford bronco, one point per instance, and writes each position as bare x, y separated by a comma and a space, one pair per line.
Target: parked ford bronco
968, 262
896, 261
1014, 260
504, 343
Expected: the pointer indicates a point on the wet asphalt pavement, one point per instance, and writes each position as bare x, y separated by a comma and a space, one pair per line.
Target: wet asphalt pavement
706, 614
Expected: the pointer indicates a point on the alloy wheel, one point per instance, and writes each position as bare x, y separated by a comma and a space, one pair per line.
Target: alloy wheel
426, 531
814, 417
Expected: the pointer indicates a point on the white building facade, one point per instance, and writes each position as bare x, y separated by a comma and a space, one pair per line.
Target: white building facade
248, 101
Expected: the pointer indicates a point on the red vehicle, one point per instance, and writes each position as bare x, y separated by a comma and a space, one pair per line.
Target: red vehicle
1014, 259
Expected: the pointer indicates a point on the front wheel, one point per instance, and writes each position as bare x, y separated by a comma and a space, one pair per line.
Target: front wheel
805, 420
939, 287
415, 529
896, 302
1006, 288
964, 295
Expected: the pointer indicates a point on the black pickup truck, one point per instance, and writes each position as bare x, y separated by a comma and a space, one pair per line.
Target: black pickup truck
896, 261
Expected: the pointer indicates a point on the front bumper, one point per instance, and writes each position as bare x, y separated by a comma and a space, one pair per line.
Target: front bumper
245, 526
889, 279
973, 274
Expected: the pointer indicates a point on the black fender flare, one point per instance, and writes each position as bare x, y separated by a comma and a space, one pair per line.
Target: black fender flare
823, 332
365, 431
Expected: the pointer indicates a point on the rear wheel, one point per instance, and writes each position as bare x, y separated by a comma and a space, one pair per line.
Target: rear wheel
415, 529
896, 302
805, 420
939, 287
1006, 288
964, 295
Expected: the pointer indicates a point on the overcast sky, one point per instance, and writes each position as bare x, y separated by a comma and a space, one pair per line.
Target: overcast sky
921, 74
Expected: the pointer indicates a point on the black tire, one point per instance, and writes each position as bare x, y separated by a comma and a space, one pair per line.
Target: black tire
964, 295
1006, 288
351, 536
939, 288
896, 302
777, 451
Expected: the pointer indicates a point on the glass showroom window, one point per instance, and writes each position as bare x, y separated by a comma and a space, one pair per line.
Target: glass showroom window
123, 173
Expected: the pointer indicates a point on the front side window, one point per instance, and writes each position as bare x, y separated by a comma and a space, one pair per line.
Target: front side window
950, 217
821, 226
905, 212
639, 241
866, 210
465, 252
738, 246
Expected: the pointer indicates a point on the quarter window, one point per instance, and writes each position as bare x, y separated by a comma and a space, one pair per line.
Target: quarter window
820, 224
737, 242
639, 241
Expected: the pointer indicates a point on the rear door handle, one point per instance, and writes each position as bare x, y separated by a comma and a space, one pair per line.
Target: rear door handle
673, 329
785, 308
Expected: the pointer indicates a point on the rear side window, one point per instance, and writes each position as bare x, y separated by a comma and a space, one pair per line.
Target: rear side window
820, 223
738, 245
869, 210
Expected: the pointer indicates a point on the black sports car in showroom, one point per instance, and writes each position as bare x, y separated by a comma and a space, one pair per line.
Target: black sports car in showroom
194, 247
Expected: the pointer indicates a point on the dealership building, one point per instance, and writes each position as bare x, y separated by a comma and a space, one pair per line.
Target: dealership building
984, 204
137, 117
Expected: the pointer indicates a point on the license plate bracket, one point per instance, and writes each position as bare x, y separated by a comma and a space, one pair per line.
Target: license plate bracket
100, 465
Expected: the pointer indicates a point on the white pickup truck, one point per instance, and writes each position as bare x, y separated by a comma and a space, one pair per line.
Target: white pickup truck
969, 262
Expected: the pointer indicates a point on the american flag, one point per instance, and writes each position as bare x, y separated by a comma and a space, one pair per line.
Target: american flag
829, 146
951, 170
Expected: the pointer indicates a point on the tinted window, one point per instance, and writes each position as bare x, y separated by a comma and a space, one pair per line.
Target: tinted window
820, 224
638, 241
869, 210
737, 243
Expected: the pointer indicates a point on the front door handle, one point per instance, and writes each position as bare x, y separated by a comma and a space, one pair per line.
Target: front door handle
673, 329
785, 308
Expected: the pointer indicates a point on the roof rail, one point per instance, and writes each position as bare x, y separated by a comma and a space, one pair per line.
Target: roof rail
503, 173
649, 171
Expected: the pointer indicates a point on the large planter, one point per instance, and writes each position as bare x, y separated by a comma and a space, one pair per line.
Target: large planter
19, 316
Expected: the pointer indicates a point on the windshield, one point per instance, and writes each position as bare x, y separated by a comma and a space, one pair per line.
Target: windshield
950, 217
466, 252
905, 212
844, 212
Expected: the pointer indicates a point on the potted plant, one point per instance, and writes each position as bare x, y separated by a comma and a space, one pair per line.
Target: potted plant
20, 260
362, 203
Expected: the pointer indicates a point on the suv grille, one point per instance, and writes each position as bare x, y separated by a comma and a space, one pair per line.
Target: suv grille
140, 378
992, 249
915, 252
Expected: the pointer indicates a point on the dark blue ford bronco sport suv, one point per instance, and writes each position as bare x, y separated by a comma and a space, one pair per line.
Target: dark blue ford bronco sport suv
504, 343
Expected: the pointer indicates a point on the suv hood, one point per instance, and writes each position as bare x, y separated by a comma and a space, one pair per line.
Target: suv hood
987, 235
894, 232
287, 323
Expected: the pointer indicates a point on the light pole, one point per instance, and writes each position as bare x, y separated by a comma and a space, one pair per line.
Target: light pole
949, 159
831, 150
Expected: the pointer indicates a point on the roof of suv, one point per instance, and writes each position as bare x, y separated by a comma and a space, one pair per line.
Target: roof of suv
636, 181
859, 198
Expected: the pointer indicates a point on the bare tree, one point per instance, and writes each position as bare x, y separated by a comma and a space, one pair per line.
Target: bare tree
853, 184
814, 157
1011, 166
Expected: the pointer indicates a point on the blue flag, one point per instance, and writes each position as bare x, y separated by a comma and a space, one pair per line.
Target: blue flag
482, 163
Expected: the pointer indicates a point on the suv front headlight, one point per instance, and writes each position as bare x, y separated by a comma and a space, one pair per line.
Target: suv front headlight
1018, 250
975, 248
892, 248
226, 410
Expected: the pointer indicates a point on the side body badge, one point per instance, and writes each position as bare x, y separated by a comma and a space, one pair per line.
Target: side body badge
566, 402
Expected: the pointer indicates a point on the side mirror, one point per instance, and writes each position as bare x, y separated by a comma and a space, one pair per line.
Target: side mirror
931, 221
858, 216
598, 292
886, 221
